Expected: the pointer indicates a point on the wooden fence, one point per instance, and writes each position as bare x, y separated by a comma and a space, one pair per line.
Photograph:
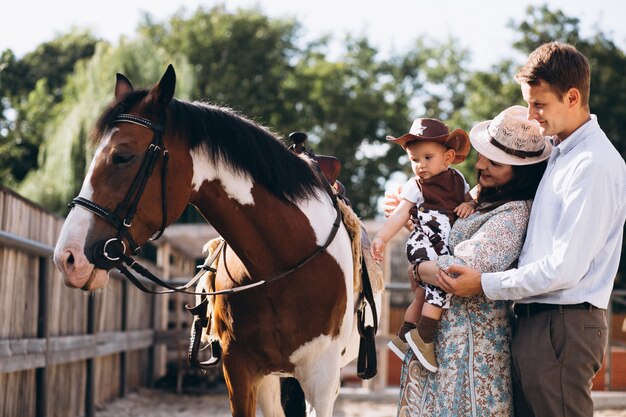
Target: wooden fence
63, 352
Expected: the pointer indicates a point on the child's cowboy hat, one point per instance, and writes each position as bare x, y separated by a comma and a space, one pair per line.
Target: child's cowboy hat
511, 139
433, 130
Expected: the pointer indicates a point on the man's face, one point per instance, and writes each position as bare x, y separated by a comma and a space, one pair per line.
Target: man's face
549, 109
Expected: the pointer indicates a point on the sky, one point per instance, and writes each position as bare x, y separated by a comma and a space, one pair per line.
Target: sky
390, 25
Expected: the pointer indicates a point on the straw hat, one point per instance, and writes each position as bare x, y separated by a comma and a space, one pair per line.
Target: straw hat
510, 138
433, 130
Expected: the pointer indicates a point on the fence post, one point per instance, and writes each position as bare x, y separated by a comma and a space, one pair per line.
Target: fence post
90, 387
124, 354
152, 353
41, 374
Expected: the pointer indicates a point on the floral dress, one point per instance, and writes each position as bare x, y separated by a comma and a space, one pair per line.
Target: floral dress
473, 342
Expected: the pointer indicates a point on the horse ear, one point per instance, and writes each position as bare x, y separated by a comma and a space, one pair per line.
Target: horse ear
122, 86
163, 92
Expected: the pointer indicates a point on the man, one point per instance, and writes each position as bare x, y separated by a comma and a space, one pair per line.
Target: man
564, 278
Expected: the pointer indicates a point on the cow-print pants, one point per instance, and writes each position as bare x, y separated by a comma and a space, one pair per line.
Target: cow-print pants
428, 241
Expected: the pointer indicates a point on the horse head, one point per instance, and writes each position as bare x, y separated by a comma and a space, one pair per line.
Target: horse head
126, 196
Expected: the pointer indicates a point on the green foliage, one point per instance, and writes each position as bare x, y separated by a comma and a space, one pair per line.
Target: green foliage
29, 87
607, 61
348, 107
259, 66
239, 59
65, 150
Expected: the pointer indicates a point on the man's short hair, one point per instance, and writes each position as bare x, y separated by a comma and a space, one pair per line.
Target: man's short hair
561, 66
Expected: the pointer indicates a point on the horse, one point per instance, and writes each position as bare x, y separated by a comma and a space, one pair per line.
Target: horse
270, 206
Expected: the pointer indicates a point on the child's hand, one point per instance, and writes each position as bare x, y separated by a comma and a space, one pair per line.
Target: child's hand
377, 248
465, 209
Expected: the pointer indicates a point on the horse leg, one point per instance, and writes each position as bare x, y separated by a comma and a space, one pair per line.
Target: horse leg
319, 379
268, 396
242, 386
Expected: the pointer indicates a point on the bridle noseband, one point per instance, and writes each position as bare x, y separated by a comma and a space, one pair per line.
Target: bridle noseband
112, 251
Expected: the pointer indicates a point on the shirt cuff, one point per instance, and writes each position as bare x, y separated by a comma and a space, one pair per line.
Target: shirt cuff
492, 285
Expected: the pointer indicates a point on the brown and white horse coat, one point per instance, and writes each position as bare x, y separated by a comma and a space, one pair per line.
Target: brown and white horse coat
273, 211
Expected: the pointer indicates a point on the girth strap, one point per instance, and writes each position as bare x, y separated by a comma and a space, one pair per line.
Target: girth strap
367, 363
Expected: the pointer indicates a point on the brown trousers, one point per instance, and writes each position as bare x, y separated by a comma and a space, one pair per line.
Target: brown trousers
556, 354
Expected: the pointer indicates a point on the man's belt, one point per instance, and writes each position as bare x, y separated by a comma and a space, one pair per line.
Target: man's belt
528, 310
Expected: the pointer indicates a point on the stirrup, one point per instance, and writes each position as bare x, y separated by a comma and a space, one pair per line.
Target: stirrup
216, 354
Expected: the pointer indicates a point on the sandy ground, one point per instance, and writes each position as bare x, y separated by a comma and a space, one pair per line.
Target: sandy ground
161, 403
165, 403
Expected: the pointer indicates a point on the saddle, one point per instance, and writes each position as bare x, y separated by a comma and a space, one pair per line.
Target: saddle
329, 165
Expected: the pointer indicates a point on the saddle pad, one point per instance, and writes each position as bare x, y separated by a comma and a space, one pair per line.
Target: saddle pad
361, 248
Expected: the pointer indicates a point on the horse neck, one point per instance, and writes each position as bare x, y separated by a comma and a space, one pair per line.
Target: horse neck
269, 235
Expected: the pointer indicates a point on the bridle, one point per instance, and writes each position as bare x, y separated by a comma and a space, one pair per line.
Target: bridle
112, 252
109, 253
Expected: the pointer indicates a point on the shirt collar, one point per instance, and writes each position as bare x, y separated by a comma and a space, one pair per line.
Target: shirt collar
577, 136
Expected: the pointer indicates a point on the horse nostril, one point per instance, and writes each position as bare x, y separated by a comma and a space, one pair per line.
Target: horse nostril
70, 259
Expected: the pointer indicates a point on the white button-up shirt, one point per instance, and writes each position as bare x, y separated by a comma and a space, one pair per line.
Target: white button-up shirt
574, 239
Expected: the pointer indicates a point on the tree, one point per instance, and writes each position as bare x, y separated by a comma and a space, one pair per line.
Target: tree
608, 87
239, 60
258, 66
349, 106
28, 89
65, 151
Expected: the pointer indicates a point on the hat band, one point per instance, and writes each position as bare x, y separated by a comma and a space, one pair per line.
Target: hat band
515, 152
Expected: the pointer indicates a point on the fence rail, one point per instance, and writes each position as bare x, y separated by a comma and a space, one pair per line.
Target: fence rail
63, 352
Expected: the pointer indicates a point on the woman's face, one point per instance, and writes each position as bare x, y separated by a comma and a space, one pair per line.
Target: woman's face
493, 174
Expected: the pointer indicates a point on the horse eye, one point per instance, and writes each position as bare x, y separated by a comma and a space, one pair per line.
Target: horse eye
119, 159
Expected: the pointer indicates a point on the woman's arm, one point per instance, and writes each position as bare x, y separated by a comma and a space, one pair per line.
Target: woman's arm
496, 244
493, 246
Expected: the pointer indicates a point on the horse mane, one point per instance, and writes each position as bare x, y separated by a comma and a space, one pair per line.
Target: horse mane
243, 145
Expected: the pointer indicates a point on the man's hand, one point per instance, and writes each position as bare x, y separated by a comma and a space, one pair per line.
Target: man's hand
465, 284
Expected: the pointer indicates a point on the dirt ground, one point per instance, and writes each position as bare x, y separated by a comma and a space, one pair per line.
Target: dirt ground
166, 403
162, 403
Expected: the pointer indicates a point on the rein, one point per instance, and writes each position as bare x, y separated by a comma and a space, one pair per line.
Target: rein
221, 249
112, 252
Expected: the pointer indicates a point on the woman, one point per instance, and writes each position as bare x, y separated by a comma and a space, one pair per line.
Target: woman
473, 341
